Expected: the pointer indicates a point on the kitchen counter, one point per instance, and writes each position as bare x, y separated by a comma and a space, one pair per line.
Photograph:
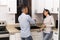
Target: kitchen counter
17, 24
34, 32
11, 28
15, 33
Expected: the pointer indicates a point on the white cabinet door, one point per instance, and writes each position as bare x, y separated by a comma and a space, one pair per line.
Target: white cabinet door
37, 35
55, 6
12, 37
17, 36
49, 5
12, 4
55, 35
52, 5
39, 6
3, 2
3, 12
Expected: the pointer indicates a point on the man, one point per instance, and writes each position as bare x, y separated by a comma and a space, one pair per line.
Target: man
25, 21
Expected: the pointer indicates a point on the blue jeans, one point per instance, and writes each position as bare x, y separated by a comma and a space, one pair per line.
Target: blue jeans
47, 36
28, 38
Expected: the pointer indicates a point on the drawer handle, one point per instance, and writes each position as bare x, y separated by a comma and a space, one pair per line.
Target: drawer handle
9, 9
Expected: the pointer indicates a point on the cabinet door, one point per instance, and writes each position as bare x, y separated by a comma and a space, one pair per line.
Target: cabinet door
12, 4
4, 38
39, 6
12, 37
3, 12
55, 6
37, 35
49, 5
17, 36
55, 35
3, 2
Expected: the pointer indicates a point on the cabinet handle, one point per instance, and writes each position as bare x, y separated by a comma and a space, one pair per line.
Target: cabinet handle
57, 9
52, 9
44, 8
9, 9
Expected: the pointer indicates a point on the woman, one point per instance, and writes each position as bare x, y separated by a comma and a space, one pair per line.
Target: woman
48, 23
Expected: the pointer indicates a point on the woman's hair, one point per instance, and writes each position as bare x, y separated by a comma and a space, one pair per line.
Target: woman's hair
46, 11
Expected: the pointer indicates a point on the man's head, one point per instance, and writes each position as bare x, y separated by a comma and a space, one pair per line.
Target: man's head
25, 9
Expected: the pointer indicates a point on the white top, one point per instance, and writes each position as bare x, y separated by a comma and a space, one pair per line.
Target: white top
25, 21
49, 22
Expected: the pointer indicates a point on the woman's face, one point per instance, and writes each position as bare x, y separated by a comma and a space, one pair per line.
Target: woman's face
45, 13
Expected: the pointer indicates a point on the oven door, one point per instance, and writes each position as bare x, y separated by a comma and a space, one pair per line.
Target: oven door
4, 36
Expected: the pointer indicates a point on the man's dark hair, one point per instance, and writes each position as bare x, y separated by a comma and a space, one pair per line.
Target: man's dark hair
24, 6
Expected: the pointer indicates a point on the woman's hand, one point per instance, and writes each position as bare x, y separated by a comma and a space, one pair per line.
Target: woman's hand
42, 27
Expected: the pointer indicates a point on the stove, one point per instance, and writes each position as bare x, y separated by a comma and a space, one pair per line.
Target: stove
3, 29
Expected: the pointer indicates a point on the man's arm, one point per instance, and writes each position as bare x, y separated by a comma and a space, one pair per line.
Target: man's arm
30, 20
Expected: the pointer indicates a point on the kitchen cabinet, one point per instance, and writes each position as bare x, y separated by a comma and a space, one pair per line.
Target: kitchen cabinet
4, 38
52, 5
37, 35
3, 2
55, 6
39, 6
55, 35
3, 12
12, 5
49, 5
15, 36
12, 37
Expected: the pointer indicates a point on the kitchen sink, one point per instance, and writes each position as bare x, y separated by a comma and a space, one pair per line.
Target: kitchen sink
35, 27
18, 28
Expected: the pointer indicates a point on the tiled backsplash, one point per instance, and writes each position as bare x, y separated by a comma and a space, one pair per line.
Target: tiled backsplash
8, 18
11, 18
39, 17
